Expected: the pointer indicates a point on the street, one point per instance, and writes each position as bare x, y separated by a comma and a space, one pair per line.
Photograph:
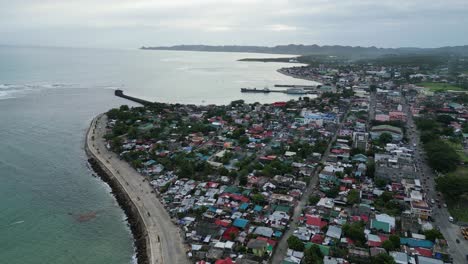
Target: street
451, 231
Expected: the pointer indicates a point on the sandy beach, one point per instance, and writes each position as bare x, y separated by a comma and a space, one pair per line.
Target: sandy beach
163, 241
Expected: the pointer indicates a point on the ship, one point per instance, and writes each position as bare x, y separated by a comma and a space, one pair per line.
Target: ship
255, 90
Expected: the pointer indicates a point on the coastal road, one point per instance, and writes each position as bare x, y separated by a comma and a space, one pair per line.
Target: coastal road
441, 215
282, 247
165, 243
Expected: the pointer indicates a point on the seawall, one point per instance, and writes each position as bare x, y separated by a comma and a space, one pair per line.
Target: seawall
134, 218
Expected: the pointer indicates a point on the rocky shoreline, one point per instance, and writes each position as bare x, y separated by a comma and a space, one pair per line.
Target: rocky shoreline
134, 218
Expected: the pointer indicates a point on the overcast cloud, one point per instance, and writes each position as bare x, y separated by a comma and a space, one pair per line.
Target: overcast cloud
133, 23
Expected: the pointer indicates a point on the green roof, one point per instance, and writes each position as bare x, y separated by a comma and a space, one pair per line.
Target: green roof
282, 208
324, 249
380, 225
147, 126
231, 189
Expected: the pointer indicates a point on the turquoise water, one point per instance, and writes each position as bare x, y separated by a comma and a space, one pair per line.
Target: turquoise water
48, 96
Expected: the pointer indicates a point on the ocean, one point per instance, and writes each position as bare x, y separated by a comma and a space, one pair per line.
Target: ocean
52, 207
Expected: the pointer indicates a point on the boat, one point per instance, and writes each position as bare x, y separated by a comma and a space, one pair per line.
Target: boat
296, 91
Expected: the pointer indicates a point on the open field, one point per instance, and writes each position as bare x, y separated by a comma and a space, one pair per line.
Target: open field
434, 87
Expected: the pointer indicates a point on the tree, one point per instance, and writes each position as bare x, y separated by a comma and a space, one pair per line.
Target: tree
370, 169
441, 156
313, 255
383, 259
355, 231
385, 138
295, 243
388, 245
353, 197
258, 198
433, 234
395, 240
313, 199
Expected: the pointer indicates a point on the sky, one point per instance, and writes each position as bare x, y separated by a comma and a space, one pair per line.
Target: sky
135, 23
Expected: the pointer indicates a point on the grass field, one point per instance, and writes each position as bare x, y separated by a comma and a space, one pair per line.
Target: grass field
435, 87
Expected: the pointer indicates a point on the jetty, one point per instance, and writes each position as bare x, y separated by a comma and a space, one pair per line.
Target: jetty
120, 93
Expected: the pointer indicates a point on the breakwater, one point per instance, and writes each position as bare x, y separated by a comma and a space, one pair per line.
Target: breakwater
137, 225
120, 93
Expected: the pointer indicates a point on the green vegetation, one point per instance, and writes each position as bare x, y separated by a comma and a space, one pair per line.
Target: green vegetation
313, 255
392, 243
441, 155
458, 147
385, 203
355, 231
295, 243
454, 186
439, 87
433, 234
383, 259
353, 197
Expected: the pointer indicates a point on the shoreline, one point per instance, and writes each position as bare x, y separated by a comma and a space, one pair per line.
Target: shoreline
298, 77
151, 226
134, 219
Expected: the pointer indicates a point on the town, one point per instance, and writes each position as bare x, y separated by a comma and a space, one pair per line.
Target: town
370, 171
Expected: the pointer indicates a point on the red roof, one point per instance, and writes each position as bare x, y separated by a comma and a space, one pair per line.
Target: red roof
269, 241
279, 104
317, 239
314, 220
424, 252
224, 223
224, 261
229, 231
374, 243
236, 197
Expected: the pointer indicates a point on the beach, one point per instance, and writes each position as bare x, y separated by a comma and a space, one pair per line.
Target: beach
160, 236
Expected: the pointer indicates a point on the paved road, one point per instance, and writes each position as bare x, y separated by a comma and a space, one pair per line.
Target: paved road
165, 243
450, 230
282, 247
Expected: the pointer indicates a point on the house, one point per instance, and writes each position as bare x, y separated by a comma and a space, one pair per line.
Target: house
241, 223
379, 225
264, 231
426, 260
399, 257
334, 232
258, 247
396, 132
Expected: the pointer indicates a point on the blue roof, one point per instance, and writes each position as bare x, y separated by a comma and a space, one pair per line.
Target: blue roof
258, 208
278, 234
416, 242
244, 206
241, 223
213, 209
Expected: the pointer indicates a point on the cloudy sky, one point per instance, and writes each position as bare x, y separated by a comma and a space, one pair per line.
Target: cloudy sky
133, 23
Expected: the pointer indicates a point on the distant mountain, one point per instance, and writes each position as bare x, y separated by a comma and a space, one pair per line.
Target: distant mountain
350, 52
